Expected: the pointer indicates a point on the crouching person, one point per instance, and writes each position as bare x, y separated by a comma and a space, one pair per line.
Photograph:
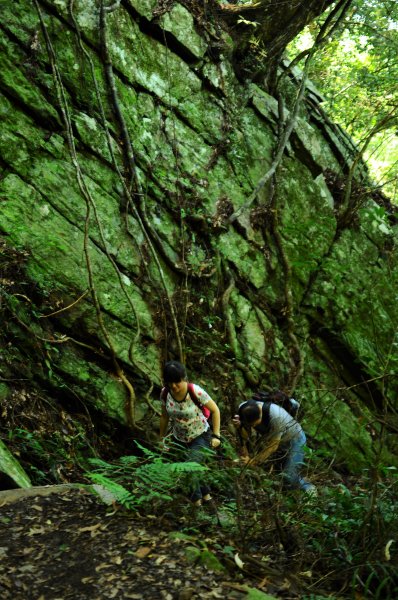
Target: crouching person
276, 430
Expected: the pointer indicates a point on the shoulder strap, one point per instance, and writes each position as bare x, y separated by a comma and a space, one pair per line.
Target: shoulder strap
163, 394
266, 411
191, 390
195, 400
265, 421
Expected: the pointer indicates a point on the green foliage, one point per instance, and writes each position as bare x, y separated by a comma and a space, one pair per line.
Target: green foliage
254, 594
205, 557
150, 481
119, 493
47, 453
353, 527
357, 72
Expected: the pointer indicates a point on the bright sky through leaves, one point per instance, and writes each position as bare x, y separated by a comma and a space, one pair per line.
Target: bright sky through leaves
357, 72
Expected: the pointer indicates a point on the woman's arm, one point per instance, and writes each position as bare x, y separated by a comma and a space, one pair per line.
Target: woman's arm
215, 421
164, 421
215, 416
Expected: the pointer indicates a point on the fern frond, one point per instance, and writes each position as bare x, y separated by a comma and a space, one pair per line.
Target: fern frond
149, 453
188, 467
120, 493
129, 460
98, 462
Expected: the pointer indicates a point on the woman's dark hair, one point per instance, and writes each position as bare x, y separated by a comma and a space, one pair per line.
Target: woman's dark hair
174, 372
249, 412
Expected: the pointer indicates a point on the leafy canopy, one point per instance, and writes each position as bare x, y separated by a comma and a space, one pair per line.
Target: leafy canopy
357, 71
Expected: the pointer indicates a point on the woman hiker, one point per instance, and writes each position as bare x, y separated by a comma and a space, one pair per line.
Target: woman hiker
182, 406
276, 430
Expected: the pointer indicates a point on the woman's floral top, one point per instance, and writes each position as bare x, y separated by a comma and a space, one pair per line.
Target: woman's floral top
186, 419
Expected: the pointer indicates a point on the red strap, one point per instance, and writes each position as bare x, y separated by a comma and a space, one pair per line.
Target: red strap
195, 400
202, 407
191, 390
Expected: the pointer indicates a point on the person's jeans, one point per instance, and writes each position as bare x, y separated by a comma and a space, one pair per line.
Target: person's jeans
293, 462
197, 451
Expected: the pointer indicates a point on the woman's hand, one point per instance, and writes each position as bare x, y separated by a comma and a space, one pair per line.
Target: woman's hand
215, 442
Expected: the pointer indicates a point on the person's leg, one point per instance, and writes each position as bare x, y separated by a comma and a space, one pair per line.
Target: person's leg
293, 463
196, 452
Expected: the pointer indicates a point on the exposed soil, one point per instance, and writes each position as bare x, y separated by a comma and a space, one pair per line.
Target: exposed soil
72, 545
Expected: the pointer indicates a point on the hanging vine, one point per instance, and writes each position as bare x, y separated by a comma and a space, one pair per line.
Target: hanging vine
295, 354
231, 333
90, 205
115, 165
270, 179
134, 179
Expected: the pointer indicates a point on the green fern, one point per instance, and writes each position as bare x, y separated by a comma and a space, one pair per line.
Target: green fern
99, 463
133, 482
119, 492
129, 460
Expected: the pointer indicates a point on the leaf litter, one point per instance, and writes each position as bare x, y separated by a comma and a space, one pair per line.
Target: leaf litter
68, 547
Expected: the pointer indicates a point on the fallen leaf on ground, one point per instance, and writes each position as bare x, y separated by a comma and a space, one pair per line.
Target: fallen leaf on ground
238, 561
36, 530
143, 551
90, 528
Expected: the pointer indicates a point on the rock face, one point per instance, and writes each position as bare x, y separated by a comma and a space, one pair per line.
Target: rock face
129, 152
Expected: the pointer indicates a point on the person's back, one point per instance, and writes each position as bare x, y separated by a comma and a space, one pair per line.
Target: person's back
278, 430
277, 421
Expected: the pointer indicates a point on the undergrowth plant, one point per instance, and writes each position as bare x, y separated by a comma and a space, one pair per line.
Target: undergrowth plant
343, 539
50, 455
349, 533
149, 481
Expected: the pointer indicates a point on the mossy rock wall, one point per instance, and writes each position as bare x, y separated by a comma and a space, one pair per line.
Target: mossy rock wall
107, 270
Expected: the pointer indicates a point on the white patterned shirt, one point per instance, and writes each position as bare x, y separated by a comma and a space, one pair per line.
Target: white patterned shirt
186, 419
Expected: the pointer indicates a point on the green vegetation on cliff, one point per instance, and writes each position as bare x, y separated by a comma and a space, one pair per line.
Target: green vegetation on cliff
134, 181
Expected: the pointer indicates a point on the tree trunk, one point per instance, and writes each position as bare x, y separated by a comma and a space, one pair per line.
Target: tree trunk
272, 24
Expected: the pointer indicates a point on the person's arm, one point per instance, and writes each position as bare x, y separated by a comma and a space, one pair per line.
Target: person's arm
215, 421
262, 456
164, 422
243, 437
